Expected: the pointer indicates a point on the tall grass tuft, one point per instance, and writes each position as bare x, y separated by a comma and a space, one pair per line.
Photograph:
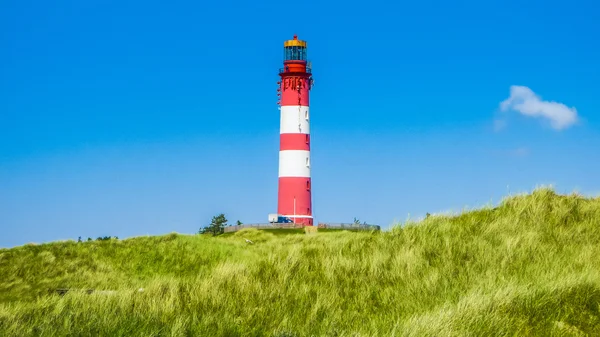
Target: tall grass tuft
527, 267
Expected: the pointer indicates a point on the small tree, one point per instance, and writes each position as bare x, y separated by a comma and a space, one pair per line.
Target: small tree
356, 221
239, 223
217, 225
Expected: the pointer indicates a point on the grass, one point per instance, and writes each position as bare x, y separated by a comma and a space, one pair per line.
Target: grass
528, 267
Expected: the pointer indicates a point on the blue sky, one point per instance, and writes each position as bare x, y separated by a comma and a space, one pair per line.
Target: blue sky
130, 118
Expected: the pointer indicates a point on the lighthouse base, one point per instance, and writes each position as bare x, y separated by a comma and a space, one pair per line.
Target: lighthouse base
301, 219
294, 199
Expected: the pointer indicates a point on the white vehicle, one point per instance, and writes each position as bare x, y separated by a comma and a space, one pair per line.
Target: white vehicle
277, 218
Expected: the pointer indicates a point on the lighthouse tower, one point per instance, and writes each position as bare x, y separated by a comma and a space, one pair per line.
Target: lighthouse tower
294, 191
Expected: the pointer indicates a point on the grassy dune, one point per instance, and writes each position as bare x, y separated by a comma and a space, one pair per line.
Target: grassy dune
529, 267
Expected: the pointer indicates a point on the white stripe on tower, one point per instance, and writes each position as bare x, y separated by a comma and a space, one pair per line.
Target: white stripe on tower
294, 119
294, 163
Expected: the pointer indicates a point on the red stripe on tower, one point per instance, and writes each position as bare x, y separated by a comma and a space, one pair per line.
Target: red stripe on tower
294, 141
294, 192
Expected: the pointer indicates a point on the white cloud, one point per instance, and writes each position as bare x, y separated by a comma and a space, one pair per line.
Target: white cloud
525, 101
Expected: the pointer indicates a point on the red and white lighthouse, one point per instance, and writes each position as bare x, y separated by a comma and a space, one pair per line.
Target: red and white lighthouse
294, 192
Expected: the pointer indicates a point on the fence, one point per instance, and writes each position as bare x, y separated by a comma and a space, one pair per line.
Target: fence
262, 226
349, 226
341, 226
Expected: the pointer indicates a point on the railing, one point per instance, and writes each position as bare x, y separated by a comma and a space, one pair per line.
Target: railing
342, 226
283, 70
274, 225
349, 226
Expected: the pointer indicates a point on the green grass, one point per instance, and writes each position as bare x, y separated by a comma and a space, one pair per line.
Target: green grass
274, 231
529, 267
284, 231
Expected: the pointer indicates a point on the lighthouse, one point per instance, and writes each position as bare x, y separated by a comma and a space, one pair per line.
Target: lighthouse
294, 189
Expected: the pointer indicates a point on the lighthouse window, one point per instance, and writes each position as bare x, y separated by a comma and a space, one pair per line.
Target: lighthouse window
307, 162
306, 136
308, 185
295, 53
306, 114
